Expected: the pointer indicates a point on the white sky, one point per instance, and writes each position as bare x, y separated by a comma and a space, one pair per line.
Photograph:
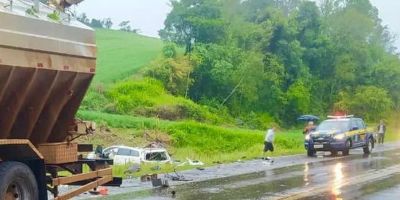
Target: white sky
149, 15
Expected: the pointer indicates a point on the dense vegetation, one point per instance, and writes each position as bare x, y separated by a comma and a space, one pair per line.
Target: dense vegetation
281, 58
254, 63
233, 65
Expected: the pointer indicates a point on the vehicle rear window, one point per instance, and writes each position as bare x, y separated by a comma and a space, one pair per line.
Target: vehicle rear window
334, 126
127, 152
156, 156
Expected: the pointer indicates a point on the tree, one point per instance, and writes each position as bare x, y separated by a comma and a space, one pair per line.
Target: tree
173, 71
125, 26
83, 18
96, 23
371, 102
194, 21
107, 23
285, 58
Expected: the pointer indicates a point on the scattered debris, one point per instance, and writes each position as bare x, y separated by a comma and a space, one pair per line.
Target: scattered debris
176, 177
101, 190
182, 164
160, 182
148, 177
173, 193
194, 162
156, 182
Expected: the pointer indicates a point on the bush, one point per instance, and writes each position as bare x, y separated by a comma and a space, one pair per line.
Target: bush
174, 73
95, 101
370, 102
128, 95
183, 109
260, 121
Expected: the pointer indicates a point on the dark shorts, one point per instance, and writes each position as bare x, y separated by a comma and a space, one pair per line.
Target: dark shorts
268, 146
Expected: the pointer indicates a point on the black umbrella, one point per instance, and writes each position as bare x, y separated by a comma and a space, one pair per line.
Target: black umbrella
308, 118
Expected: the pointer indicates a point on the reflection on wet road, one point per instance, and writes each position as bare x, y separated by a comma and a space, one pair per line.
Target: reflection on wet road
352, 177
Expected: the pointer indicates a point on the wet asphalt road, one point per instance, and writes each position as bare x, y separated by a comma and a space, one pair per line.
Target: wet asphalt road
372, 177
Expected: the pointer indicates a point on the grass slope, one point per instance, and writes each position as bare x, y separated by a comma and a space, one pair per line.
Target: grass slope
120, 54
189, 139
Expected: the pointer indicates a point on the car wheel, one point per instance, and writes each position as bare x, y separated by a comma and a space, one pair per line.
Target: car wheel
347, 150
333, 152
369, 146
311, 152
17, 182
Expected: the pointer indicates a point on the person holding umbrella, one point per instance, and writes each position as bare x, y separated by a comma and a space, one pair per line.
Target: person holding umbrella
309, 128
310, 125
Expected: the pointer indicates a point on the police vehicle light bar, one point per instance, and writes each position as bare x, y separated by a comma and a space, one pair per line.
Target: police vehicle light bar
340, 116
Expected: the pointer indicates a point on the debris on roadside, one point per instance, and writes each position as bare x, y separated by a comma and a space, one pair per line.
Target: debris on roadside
148, 177
176, 177
101, 190
194, 162
182, 164
160, 182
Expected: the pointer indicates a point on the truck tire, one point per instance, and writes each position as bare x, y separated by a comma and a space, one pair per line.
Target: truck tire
311, 152
347, 150
17, 182
369, 146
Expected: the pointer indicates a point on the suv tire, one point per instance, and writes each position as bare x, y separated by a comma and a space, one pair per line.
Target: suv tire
369, 146
347, 150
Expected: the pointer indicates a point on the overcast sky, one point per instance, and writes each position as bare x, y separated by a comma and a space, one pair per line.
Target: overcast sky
149, 15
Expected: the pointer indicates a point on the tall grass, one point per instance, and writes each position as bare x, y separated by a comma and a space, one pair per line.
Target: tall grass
207, 143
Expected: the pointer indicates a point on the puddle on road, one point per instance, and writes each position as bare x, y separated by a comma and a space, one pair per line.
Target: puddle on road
303, 175
247, 192
362, 191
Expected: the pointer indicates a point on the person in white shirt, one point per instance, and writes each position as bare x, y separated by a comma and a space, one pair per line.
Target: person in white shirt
381, 132
269, 143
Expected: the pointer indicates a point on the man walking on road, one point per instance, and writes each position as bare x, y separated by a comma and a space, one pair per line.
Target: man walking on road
381, 132
268, 143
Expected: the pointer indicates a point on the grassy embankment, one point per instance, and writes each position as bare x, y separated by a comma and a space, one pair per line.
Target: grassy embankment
188, 139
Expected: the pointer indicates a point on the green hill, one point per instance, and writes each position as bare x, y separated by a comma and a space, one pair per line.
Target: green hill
120, 54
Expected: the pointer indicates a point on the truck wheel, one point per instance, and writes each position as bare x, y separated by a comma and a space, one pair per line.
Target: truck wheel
17, 182
369, 146
347, 150
311, 152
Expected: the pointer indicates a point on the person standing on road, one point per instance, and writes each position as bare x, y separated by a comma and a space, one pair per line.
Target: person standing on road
309, 128
268, 143
381, 132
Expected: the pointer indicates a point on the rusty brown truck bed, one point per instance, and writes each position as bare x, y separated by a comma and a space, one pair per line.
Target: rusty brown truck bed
46, 67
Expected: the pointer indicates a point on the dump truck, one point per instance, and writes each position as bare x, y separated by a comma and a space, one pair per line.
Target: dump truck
47, 62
